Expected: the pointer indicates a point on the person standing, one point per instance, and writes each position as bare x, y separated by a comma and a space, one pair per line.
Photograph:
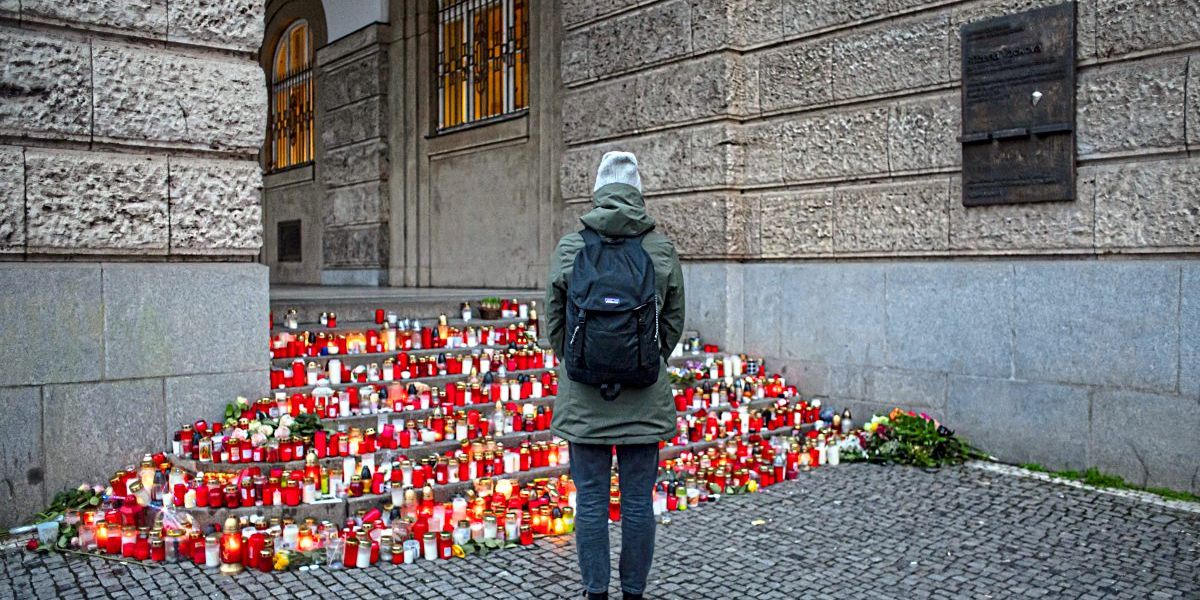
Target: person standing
614, 312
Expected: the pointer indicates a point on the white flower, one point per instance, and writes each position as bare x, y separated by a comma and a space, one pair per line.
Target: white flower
286, 420
265, 430
258, 439
282, 433
239, 434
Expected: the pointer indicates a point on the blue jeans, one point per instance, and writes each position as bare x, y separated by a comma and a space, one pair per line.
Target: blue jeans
638, 466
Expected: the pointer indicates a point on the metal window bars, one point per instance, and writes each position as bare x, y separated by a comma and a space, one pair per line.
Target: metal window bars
482, 60
292, 110
291, 122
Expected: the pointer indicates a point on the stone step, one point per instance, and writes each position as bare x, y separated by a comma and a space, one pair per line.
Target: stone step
338, 510
359, 303
362, 326
381, 456
363, 421
485, 410
367, 358
377, 420
437, 381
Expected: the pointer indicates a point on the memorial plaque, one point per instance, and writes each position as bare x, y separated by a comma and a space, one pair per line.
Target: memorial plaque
1018, 108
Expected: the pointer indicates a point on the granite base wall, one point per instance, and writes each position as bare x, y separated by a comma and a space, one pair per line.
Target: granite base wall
106, 359
1070, 363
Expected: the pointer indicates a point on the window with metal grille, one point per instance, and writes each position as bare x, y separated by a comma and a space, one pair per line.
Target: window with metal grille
482, 60
290, 128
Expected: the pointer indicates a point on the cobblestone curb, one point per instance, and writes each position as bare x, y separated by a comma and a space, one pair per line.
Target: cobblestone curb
1147, 497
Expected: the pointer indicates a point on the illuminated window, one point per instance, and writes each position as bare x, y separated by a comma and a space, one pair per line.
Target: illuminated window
482, 60
290, 129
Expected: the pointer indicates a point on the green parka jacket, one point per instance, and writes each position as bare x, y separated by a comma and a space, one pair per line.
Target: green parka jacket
636, 416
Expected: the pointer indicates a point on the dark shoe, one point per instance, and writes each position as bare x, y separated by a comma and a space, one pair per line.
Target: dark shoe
595, 596
628, 596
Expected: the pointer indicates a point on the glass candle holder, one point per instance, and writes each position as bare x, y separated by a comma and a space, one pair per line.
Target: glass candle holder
512, 527
128, 539
291, 535
212, 552
489, 527
412, 549
430, 546
47, 532
462, 532
364, 551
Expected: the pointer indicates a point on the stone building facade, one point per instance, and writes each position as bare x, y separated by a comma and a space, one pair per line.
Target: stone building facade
804, 156
130, 221
802, 153
391, 199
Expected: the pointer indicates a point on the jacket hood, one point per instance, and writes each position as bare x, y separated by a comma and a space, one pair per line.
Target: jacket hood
619, 211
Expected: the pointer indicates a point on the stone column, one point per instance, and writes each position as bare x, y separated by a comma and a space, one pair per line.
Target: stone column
129, 223
352, 157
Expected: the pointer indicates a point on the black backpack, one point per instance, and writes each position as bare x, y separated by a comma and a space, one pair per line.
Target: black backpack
612, 315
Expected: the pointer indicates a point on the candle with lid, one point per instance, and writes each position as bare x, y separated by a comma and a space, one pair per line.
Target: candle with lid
212, 551
231, 548
430, 546
462, 532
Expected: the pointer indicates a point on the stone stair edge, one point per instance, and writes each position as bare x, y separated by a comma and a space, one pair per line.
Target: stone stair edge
309, 310
485, 409
364, 325
443, 492
430, 381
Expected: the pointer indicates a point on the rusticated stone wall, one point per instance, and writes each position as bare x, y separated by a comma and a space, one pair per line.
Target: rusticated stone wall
778, 138
807, 129
130, 127
129, 213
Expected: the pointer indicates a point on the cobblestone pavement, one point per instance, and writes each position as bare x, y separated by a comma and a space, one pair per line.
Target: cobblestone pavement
855, 531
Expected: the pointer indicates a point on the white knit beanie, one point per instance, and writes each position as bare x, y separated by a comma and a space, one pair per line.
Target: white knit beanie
618, 167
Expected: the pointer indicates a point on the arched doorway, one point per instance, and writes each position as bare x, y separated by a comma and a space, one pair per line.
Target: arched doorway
292, 210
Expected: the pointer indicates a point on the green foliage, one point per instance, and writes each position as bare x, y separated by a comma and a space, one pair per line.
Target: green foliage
306, 425
483, 547
1171, 494
297, 559
1095, 478
686, 379
906, 439
303, 426
853, 455
79, 498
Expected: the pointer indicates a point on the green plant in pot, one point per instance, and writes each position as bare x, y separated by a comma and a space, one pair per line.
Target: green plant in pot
489, 309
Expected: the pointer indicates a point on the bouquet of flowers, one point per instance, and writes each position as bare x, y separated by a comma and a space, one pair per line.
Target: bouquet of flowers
909, 438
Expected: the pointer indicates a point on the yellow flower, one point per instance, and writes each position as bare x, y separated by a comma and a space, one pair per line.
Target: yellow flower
458, 551
752, 486
871, 427
281, 561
